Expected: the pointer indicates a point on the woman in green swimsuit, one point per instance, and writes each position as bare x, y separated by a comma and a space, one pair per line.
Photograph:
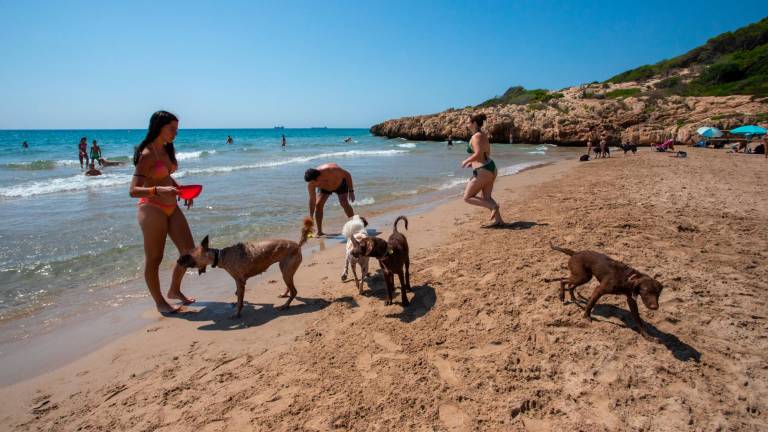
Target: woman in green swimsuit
484, 170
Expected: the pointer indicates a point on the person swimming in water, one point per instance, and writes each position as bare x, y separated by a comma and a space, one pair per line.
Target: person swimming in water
328, 179
24, 145
484, 170
158, 214
229, 139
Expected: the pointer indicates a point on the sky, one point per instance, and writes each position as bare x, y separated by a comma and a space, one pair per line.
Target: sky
242, 64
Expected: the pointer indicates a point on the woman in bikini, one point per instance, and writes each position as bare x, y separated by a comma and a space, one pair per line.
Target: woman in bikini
484, 170
159, 216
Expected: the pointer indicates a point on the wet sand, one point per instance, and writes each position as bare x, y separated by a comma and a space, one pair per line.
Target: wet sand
486, 344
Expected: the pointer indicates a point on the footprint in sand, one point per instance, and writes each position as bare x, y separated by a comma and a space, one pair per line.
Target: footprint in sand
453, 418
444, 369
364, 362
385, 342
491, 348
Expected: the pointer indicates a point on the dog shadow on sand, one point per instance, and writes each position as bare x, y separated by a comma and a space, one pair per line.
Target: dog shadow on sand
681, 350
221, 315
519, 225
422, 299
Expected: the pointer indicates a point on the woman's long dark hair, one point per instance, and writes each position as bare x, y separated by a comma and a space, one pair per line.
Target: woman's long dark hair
156, 124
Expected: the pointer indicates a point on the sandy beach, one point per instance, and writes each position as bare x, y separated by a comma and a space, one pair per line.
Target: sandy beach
486, 344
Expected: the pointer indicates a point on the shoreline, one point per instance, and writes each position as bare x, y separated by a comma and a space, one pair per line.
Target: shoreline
485, 344
31, 355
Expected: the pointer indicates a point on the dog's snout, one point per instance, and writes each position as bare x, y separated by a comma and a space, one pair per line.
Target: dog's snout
186, 261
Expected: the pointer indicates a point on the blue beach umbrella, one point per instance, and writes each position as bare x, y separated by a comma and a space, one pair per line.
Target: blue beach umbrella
709, 132
749, 130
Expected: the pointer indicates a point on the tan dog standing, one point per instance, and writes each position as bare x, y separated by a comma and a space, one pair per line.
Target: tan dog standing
245, 260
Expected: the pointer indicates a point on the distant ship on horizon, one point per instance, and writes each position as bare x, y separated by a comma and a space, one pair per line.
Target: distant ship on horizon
318, 127
279, 127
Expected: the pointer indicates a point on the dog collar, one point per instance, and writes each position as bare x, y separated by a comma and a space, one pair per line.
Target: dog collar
215, 258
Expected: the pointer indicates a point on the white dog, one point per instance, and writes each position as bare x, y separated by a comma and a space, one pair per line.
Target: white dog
355, 228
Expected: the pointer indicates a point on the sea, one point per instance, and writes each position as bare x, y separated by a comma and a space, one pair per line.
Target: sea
71, 243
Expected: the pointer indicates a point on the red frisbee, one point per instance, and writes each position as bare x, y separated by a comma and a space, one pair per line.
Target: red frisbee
189, 191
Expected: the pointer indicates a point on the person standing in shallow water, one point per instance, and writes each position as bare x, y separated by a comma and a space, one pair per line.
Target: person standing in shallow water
283, 141
229, 139
82, 152
484, 170
450, 140
158, 214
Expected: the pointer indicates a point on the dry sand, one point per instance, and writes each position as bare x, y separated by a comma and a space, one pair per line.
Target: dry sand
486, 344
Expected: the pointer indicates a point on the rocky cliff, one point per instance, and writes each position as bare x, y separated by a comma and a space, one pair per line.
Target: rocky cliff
578, 116
722, 83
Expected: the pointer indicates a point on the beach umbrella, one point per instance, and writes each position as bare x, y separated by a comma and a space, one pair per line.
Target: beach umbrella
709, 132
749, 130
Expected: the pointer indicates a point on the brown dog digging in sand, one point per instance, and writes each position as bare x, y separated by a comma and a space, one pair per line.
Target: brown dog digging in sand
393, 259
614, 277
245, 260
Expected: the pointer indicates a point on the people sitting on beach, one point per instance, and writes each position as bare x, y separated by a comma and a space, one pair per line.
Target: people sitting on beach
24, 145
666, 145
82, 152
158, 214
326, 180
229, 139
92, 171
96, 153
484, 170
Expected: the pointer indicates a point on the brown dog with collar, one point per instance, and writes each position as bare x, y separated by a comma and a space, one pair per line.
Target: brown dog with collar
614, 277
245, 260
393, 258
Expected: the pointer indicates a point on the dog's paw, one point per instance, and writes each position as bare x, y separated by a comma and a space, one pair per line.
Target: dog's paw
344, 277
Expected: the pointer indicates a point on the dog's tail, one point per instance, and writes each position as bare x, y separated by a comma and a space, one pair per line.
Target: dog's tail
306, 230
394, 229
563, 250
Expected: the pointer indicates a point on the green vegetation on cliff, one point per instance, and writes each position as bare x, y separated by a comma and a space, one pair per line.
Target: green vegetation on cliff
731, 63
520, 96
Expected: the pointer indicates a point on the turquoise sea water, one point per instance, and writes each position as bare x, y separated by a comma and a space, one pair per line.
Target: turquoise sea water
66, 237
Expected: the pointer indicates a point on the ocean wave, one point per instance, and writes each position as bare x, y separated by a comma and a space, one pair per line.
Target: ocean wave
516, 168
542, 147
67, 184
194, 155
452, 183
537, 152
39, 165
365, 201
407, 145
294, 160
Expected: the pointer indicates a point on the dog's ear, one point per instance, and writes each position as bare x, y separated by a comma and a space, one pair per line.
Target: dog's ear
204, 243
365, 221
368, 247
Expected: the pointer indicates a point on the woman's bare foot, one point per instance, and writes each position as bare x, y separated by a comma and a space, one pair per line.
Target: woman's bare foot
495, 214
177, 295
165, 308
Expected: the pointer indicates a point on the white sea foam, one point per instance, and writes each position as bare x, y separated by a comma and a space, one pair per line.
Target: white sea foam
365, 201
516, 168
452, 183
407, 145
294, 160
537, 152
73, 183
68, 162
193, 155
542, 147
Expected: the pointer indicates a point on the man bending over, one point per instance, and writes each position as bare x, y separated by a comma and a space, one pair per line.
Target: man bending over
328, 179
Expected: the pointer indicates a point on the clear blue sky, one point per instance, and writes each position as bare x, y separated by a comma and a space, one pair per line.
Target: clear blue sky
105, 64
